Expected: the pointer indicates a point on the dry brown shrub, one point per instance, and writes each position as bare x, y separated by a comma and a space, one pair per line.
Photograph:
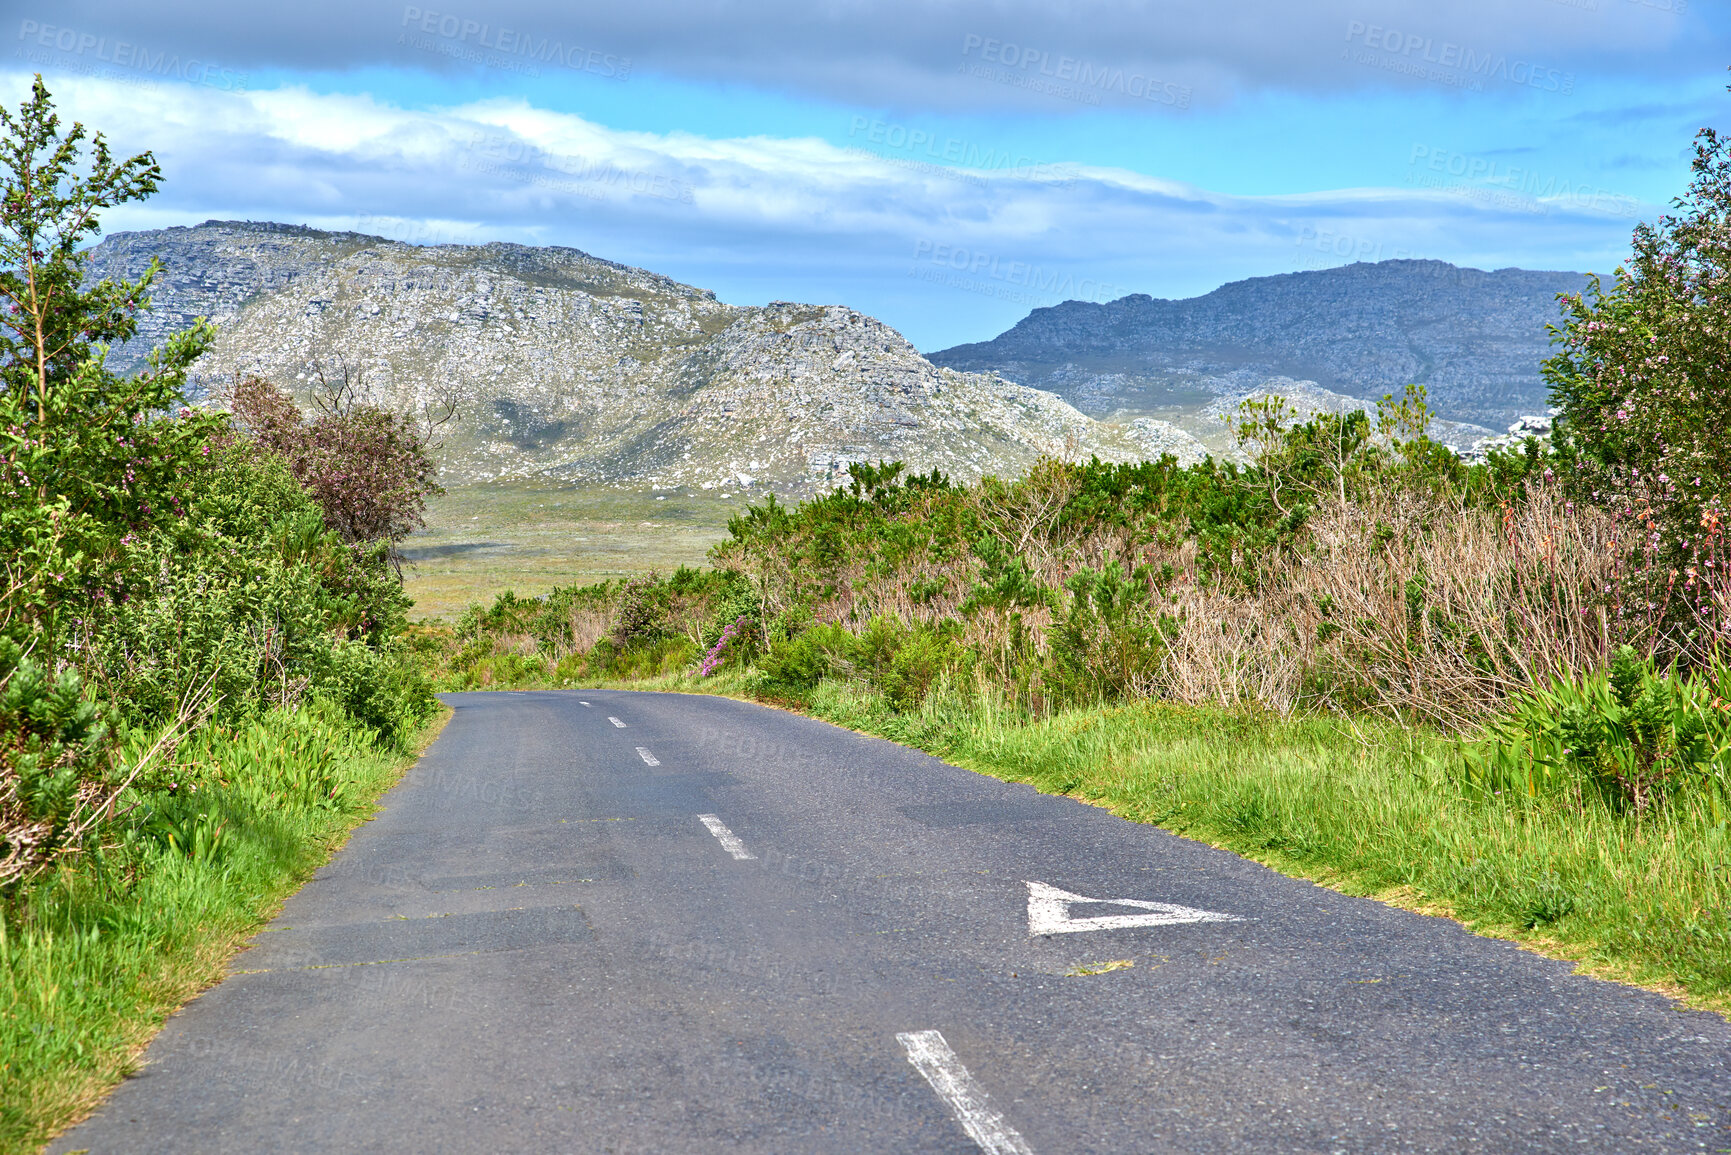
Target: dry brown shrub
586, 626
1403, 603
1423, 607
1225, 650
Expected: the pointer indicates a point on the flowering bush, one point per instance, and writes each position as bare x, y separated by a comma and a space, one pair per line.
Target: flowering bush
1643, 378
718, 652
369, 469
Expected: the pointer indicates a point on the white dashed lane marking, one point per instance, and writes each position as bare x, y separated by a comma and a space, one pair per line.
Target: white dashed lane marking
580, 702
647, 757
729, 840
616, 721
932, 1057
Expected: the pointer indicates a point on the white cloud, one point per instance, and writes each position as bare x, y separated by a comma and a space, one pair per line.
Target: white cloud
938, 252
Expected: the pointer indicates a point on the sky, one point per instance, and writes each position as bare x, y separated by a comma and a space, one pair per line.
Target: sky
944, 166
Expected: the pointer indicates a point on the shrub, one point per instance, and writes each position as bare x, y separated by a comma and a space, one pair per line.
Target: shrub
642, 617
1109, 641
794, 666
247, 596
1641, 379
370, 470
53, 766
1632, 737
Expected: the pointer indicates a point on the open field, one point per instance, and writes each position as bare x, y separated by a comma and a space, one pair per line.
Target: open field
529, 537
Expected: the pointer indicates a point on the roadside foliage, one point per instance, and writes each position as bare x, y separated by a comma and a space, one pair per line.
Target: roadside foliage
1500, 690
202, 679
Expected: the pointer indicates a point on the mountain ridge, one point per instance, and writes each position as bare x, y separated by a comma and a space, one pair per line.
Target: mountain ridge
578, 368
1473, 338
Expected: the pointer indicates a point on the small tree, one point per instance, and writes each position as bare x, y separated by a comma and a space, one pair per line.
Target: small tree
370, 470
1643, 380
85, 456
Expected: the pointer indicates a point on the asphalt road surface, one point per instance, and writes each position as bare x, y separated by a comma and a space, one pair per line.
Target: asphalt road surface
629, 922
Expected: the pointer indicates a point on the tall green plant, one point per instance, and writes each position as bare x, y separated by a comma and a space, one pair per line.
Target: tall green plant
1633, 737
86, 456
1643, 379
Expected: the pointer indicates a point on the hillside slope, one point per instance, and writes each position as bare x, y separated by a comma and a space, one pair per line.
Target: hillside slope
579, 368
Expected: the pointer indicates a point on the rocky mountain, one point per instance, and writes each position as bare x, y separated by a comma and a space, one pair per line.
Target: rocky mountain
567, 365
1474, 339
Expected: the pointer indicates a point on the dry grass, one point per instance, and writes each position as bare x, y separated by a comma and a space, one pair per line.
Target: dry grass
1403, 604
1225, 650
1443, 609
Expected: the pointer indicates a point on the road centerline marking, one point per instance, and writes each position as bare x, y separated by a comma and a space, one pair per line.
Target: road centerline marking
932, 1057
616, 721
648, 758
729, 840
1049, 912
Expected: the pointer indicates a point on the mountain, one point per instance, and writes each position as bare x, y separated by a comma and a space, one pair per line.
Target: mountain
1473, 339
575, 367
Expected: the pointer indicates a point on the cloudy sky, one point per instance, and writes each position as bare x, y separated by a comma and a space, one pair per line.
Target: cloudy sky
944, 166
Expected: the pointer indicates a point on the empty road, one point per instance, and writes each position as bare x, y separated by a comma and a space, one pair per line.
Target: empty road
628, 922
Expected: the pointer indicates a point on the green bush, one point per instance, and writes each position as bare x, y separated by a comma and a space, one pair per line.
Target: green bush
1108, 644
642, 617
1632, 737
54, 745
248, 599
794, 666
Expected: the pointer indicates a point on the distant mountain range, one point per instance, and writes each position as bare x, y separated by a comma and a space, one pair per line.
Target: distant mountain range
574, 367
1473, 339
586, 370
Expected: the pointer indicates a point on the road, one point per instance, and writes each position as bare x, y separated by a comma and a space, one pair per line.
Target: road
631, 922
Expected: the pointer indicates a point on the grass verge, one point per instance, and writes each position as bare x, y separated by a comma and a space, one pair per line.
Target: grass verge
109, 950
1363, 807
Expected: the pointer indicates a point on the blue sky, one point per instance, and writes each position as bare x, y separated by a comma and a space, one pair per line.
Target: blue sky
944, 166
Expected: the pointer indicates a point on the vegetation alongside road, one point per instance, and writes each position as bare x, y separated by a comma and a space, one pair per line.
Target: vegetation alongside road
1500, 691
202, 686
1497, 690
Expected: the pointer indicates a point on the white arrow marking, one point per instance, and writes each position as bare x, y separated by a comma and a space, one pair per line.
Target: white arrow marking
729, 840
648, 757
1049, 912
616, 721
932, 1057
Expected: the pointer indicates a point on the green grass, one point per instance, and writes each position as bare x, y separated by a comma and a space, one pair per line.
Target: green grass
1366, 808
1373, 809
109, 950
529, 537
